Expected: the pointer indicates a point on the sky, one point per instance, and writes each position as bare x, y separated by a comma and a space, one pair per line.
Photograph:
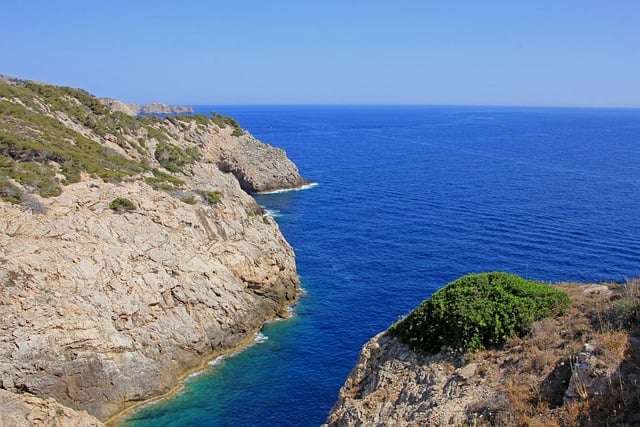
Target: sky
583, 53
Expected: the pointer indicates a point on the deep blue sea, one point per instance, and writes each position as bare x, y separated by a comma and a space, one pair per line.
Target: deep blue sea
409, 199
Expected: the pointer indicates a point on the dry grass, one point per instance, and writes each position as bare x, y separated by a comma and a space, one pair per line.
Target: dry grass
532, 374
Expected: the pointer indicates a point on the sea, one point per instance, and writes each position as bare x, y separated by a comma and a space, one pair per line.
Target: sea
407, 199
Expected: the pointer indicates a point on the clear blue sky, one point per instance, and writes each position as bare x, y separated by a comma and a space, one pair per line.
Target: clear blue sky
480, 52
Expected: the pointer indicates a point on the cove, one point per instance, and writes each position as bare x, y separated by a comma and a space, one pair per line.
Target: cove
408, 199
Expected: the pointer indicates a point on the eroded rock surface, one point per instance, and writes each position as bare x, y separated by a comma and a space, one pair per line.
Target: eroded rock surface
575, 369
101, 307
23, 410
392, 385
258, 167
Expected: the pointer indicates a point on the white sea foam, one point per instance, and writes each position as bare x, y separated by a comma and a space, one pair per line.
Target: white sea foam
286, 190
217, 360
194, 374
291, 310
273, 213
260, 338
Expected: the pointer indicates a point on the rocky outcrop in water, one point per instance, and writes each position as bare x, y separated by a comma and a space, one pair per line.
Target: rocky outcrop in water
115, 281
250, 161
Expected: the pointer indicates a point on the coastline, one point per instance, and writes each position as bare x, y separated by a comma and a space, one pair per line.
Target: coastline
306, 186
204, 363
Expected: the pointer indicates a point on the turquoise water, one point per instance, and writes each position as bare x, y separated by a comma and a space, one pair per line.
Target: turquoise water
410, 198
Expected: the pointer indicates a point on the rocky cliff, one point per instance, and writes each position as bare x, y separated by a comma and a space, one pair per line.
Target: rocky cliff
26, 410
127, 256
578, 369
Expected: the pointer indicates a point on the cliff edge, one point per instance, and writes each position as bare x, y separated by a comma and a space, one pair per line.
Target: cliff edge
127, 256
580, 368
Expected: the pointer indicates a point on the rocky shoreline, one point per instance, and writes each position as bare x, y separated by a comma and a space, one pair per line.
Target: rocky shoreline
202, 366
116, 287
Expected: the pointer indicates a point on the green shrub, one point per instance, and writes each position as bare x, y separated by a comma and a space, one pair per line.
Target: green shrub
120, 204
192, 153
224, 121
172, 157
153, 132
211, 197
190, 199
478, 311
164, 181
201, 119
28, 136
9, 192
38, 177
237, 132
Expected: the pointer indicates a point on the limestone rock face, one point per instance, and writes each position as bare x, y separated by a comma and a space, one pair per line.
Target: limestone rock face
98, 309
21, 410
257, 166
101, 308
392, 385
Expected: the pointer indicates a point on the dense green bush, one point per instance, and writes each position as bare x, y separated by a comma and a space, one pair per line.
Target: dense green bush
172, 157
164, 181
478, 311
211, 197
224, 121
9, 192
120, 204
38, 177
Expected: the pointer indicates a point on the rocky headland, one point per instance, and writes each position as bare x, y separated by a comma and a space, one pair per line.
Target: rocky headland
578, 368
128, 256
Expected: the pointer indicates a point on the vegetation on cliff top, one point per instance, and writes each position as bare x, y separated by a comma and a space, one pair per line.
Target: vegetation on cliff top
51, 135
478, 311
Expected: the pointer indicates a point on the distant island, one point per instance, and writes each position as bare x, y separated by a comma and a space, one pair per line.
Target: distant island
154, 108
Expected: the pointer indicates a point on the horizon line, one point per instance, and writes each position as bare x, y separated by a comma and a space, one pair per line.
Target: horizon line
412, 105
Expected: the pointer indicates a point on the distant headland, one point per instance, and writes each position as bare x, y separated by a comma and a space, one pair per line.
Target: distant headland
153, 108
